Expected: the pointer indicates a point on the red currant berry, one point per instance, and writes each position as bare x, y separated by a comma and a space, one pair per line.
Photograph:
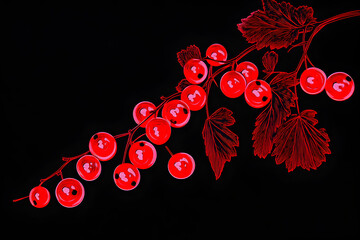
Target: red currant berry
103, 146
232, 84
88, 167
258, 93
141, 111
312, 80
69, 192
195, 71
194, 96
158, 130
142, 154
249, 70
181, 165
39, 197
126, 176
339, 86
177, 112
216, 52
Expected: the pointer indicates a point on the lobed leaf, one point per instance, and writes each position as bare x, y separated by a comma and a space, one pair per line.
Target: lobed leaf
219, 141
299, 143
269, 60
277, 25
185, 55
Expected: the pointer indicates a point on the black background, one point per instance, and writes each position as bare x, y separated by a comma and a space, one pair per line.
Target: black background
71, 70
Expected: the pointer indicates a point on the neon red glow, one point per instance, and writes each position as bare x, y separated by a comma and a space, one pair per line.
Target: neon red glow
158, 130
177, 112
126, 176
217, 53
258, 93
69, 192
281, 130
194, 96
181, 165
248, 70
143, 110
142, 154
232, 84
312, 80
103, 146
339, 86
195, 71
39, 197
88, 167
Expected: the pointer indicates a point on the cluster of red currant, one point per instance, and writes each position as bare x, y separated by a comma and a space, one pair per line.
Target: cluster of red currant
244, 79
220, 142
339, 86
142, 154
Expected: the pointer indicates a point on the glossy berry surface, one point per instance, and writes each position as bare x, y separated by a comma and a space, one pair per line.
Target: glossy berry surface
177, 112
312, 80
88, 167
141, 111
339, 86
158, 130
181, 165
194, 96
126, 176
232, 84
69, 192
195, 71
216, 52
103, 146
248, 70
39, 197
142, 154
258, 93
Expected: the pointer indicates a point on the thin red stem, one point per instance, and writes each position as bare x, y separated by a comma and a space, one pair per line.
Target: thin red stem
19, 199
58, 172
169, 151
138, 138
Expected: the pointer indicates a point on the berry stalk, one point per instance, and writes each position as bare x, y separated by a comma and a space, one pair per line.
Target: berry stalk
306, 44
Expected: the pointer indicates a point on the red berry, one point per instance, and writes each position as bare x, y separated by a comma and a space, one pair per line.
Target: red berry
339, 86
249, 70
126, 176
103, 146
181, 165
258, 93
158, 130
194, 96
195, 71
39, 197
177, 112
88, 167
217, 52
141, 111
69, 192
142, 154
312, 80
232, 84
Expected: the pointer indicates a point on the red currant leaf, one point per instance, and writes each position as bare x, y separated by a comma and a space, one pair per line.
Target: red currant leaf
274, 115
299, 143
185, 55
182, 85
277, 25
269, 60
219, 141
